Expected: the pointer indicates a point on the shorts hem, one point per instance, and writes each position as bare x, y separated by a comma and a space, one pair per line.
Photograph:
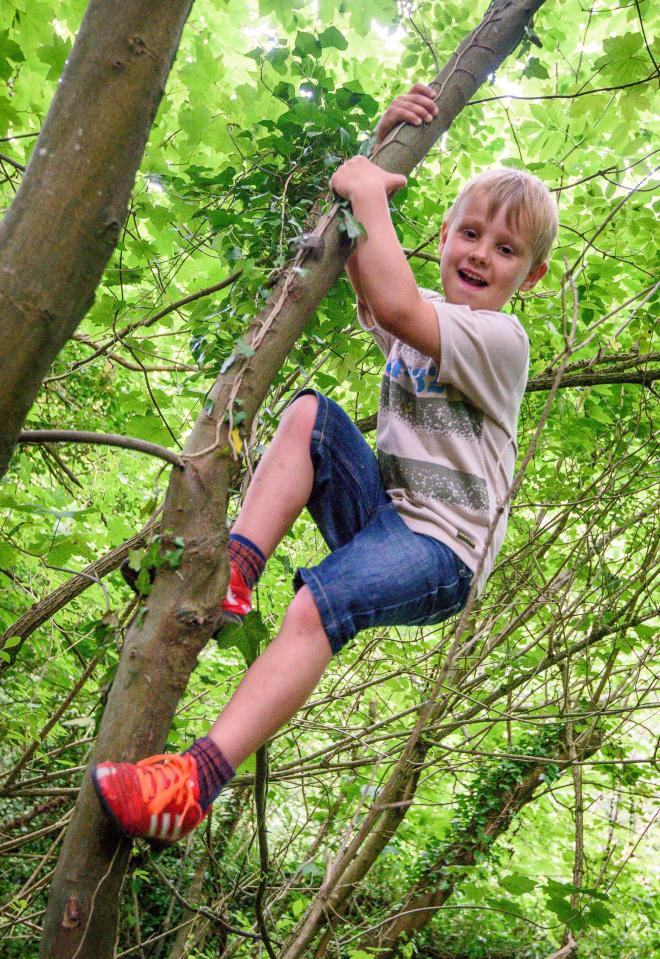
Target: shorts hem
336, 637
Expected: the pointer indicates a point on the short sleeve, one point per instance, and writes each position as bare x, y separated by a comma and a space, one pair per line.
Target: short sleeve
485, 355
367, 322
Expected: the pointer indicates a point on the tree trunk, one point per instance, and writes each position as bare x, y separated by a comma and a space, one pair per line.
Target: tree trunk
182, 611
438, 880
64, 222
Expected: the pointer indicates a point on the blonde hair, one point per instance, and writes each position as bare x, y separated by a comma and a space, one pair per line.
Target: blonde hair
526, 201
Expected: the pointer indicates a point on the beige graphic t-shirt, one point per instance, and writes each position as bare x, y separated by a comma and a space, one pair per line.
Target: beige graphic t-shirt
447, 434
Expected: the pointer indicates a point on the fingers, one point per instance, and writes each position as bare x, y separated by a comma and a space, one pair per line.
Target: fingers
424, 90
359, 174
415, 108
394, 183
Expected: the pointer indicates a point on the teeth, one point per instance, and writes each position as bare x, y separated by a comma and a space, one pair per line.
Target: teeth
472, 276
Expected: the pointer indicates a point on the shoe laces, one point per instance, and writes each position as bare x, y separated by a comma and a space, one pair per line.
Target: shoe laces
164, 779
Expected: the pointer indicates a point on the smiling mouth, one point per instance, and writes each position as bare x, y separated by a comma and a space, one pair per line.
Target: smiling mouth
471, 279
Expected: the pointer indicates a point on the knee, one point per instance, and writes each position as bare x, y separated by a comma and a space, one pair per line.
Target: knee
303, 613
300, 415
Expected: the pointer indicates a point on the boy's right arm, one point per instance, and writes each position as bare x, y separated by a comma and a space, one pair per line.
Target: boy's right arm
415, 107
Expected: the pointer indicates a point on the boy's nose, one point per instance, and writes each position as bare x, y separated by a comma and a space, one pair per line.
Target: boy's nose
479, 254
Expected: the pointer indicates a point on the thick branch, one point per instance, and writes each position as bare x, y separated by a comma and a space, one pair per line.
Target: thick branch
100, 439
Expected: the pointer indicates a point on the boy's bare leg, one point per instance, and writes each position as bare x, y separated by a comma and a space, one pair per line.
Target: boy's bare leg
282, 482
277, 684
282, 679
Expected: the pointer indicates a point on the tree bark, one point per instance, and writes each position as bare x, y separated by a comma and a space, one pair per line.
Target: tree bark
182, 611
64, 222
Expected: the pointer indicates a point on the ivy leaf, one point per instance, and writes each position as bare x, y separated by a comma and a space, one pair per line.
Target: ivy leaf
307, 44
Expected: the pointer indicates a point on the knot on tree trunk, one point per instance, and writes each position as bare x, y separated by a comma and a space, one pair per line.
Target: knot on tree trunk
193, 617
73, 913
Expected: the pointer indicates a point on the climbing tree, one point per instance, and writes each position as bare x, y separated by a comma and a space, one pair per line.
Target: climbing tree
403, 781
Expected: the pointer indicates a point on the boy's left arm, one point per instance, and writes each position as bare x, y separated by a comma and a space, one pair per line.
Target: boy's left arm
387, 283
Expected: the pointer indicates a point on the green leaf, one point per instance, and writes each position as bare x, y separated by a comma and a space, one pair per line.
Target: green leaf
562, 909
8, 51
298, 907
518, 885
246, 636
333, 38
148, 427
556, 889
598, 915
506, 905
55, 54
536, 69
624, 60
362, 12
282, 9
307, 44
12, 642
352, 227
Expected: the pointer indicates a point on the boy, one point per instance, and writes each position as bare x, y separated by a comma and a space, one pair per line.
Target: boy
406, 530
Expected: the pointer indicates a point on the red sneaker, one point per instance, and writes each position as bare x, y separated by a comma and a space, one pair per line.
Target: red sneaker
157, 798
238, 601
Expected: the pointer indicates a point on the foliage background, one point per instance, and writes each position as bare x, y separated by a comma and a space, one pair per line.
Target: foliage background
263, 102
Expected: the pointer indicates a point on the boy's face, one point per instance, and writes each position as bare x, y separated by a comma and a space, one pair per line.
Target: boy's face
485, 261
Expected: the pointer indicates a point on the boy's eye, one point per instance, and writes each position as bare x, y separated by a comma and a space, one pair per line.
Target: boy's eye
507, 250
470, 234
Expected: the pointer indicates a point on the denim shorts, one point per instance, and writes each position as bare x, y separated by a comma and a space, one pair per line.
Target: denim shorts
379, 572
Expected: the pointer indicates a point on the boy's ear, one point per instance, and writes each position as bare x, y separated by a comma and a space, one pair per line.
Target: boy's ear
533, 277
443, 235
